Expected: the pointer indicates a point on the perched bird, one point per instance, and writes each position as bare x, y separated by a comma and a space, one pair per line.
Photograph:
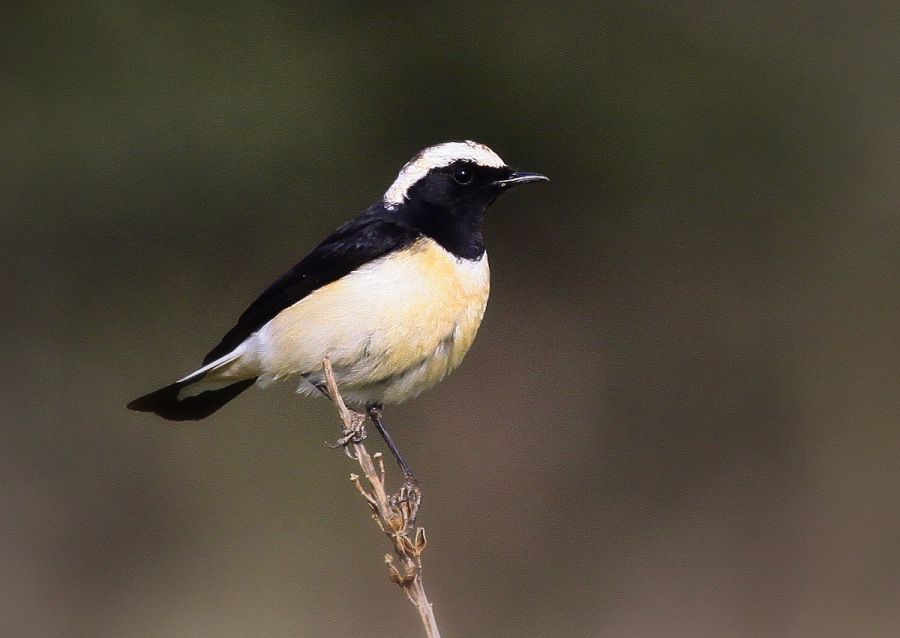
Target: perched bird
393, 297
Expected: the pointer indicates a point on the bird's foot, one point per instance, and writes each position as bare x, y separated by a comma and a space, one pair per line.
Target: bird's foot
355, 432
407, 500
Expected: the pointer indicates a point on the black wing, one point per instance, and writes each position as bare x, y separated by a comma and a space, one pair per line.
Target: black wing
371, 235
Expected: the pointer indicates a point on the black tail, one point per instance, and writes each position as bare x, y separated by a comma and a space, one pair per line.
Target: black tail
165, 401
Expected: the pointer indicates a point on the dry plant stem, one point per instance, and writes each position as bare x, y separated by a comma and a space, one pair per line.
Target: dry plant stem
394, 513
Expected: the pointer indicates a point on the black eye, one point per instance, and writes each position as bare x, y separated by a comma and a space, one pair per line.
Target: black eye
463, 175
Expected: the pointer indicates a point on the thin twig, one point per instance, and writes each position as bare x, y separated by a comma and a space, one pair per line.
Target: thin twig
394, 513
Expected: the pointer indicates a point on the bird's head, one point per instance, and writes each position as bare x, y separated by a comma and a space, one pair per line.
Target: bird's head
461, 177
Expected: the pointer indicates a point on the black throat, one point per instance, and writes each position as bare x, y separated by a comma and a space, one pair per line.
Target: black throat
456, 230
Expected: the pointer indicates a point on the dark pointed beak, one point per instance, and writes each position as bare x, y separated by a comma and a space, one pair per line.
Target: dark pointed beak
521, 177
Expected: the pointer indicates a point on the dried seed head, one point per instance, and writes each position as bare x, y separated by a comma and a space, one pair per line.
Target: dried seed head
396, 523
393, 572
421, 541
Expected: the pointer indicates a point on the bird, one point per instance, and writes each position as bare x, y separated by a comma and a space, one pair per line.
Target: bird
393, 298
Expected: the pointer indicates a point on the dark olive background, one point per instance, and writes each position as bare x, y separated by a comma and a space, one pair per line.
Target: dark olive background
680, 417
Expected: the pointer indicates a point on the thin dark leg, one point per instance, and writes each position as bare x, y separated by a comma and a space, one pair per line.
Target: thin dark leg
375, 414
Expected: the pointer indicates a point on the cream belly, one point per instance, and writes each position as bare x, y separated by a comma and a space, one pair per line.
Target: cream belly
391, 328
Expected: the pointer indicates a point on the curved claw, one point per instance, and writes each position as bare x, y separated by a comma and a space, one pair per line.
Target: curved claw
356, 434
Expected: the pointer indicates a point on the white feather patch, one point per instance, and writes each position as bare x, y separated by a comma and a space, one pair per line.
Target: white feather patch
228, 358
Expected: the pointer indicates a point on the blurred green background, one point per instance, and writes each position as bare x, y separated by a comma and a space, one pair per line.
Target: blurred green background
680, 417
